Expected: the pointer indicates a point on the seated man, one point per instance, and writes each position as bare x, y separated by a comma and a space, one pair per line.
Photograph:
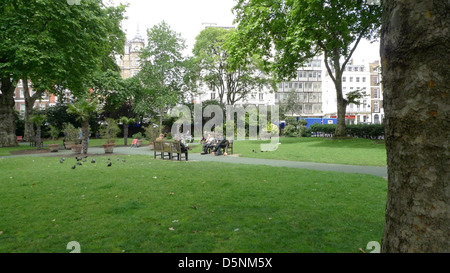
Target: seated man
160, 138
218, 147
209, 142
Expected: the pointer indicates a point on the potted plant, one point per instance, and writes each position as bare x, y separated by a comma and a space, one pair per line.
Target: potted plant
84, 107
139, 138
109, 131
70, 135
54, 133
151, 133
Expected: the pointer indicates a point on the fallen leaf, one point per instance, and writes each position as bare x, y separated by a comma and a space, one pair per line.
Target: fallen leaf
171, 228
175, 221
53, 220
1, 232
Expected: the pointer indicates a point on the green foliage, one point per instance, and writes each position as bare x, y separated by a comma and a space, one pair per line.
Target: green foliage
38, 119
151, 133
138, 136
109, 130
289, 33
233, 83
54, 132
161, 77
83, 108
370, 131
70, 132
53, 43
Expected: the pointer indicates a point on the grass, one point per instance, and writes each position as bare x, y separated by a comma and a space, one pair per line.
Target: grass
355, 151
147, 205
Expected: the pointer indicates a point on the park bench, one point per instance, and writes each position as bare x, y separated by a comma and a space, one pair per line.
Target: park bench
162, 149
169, 148
19, 139
175, 149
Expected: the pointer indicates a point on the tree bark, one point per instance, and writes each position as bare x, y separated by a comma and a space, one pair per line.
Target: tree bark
7, 124
125, 134
29, 103
415, 51
38, 138
85, 134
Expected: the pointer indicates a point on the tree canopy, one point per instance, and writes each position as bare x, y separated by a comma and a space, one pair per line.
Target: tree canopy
232, 82
287, 33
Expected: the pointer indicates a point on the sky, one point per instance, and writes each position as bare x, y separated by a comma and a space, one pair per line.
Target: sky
189, 18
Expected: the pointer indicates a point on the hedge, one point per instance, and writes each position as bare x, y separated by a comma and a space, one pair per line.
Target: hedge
370, 131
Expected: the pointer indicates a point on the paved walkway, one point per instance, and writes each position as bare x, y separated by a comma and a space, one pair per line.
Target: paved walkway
372, 170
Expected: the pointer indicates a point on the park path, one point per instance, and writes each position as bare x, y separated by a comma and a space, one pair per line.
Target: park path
122, 150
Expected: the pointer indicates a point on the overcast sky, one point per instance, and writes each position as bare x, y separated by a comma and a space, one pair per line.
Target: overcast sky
189, 17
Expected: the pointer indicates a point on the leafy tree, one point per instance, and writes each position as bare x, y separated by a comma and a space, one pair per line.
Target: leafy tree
84, 108
233, 83
288, 32
162, 74
415, 67
54, 45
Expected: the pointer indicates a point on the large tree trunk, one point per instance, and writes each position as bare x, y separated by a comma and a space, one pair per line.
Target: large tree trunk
125, 134
415, 52
38, 138
29, 103
85, 134
7, 124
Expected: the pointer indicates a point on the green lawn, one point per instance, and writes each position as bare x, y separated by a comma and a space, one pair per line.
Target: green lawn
147, 205
347, 151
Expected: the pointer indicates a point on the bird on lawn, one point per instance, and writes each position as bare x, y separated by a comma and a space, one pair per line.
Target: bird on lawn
79, 163
73, 167
61, 160
109, 164
93, 161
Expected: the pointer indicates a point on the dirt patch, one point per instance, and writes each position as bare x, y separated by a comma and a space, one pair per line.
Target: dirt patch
30, 152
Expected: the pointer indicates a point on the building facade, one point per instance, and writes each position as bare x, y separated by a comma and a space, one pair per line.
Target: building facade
363, 77
43, 103
129, 63
305, 90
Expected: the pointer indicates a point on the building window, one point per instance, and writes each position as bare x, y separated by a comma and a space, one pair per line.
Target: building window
376, 106
376, 93
261, 96
357, 79
213, 96
363, 79
344, 79
351, 79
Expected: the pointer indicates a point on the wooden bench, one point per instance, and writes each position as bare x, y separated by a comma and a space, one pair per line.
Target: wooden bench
175, 148
161, 148
19, 139
169, 149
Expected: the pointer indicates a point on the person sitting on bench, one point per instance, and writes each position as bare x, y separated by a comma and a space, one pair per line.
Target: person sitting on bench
208, 144
218, 147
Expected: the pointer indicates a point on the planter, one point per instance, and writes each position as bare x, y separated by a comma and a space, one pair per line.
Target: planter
109, 148
53, 147
68, 145
76, 148
139, 143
